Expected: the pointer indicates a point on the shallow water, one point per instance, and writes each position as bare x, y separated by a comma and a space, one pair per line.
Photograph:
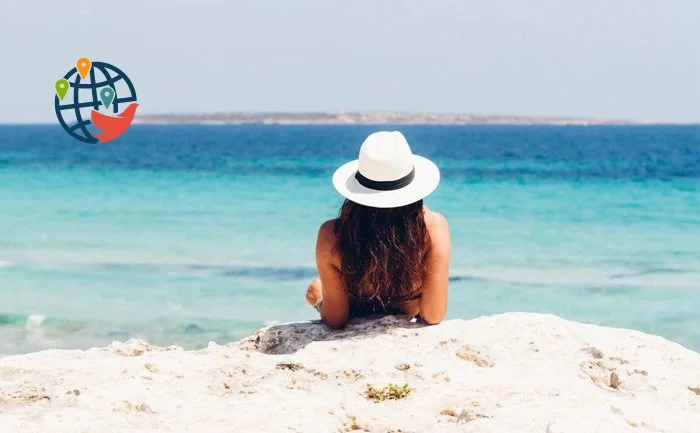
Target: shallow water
186, 234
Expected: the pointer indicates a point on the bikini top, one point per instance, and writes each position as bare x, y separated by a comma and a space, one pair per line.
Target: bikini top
380, 305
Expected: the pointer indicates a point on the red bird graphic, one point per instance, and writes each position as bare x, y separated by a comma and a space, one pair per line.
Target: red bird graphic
113, 126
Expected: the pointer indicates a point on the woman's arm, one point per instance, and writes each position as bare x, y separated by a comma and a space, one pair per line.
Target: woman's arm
433, 301
334, 308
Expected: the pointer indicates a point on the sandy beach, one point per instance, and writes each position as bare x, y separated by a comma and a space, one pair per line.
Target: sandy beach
510, 372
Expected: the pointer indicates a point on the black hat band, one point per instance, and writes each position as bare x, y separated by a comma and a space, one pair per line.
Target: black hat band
385, 185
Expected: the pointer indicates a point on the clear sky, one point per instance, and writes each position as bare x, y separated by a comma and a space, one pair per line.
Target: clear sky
636, 59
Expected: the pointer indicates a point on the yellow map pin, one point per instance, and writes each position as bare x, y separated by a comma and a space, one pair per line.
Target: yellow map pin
84, 66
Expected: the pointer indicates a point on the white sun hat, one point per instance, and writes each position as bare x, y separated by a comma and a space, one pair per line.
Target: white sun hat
386, 174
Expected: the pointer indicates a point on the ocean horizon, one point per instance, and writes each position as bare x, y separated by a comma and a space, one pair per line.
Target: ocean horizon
185, 234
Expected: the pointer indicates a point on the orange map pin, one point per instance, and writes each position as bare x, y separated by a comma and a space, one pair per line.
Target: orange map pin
84, 66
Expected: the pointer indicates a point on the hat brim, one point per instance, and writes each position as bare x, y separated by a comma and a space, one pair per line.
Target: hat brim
425, 181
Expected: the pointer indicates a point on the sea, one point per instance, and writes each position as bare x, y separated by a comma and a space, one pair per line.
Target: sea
186, 234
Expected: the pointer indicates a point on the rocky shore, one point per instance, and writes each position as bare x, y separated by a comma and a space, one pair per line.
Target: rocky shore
512, 372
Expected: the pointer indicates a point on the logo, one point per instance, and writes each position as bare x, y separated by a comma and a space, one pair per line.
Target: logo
89, 99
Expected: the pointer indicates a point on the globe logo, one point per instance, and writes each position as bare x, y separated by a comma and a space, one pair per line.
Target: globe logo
89, 98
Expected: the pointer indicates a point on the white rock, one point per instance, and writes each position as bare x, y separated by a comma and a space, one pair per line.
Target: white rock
513, 372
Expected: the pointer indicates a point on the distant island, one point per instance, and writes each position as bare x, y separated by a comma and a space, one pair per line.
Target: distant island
370, 118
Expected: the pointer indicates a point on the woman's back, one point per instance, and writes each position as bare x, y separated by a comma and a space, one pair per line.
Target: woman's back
428, 300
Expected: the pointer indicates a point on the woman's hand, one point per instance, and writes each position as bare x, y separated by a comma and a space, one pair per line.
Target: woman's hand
313, 293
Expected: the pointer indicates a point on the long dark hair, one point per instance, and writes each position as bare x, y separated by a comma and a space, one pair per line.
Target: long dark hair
384, 252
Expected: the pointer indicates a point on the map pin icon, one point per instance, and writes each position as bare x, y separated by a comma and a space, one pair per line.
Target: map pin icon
83, 66
62, 86
107, 96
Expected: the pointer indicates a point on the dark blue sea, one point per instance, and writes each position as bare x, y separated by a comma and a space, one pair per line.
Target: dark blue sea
189, 234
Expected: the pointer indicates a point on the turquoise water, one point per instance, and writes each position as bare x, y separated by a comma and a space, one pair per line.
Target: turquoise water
189, 234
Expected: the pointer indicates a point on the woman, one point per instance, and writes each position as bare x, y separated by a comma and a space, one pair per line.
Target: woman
386, 253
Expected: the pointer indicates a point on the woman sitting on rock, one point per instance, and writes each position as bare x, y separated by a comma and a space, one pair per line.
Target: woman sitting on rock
386, 253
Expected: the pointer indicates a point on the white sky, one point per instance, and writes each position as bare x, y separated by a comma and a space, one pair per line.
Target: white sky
615, 58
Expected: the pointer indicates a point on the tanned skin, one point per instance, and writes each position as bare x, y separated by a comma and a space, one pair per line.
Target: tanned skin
430, 307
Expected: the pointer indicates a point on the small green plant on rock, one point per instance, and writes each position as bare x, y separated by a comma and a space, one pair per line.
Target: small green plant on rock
389, 392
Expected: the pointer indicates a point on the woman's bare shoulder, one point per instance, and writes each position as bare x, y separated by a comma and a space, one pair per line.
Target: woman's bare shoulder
326, 236
327, 229
438, 228
435, 221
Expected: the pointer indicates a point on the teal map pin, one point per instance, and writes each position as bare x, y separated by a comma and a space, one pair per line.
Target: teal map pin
107, 96
62, 86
